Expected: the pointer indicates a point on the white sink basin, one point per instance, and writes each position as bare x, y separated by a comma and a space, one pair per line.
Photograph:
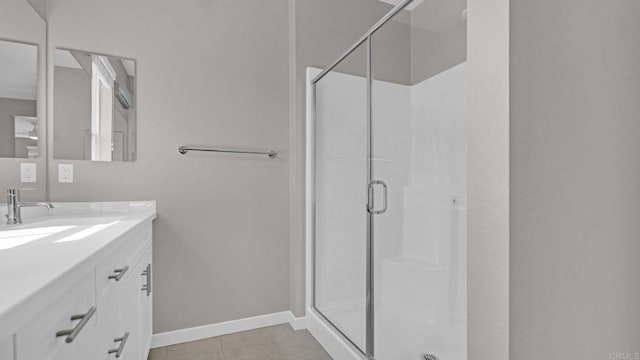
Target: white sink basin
60, 221
54, 229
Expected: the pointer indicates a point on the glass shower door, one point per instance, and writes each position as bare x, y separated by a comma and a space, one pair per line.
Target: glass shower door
418, 168
341, 168
390, 187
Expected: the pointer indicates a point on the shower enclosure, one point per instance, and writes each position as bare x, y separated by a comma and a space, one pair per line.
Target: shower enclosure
387, 189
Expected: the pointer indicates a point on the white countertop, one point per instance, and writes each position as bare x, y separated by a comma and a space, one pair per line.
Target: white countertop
50, 244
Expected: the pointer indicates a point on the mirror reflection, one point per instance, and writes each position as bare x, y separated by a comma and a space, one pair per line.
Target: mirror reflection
94, 107
18, 100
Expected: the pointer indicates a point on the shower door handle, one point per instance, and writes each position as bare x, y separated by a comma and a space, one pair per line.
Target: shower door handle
370, 197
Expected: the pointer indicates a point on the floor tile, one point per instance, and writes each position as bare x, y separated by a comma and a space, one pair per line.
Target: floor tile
244, 338
207, 349
158, 354
302, 345
281, 332
256, 351
278, 342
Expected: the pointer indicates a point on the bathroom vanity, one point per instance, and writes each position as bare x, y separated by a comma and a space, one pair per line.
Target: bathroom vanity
76, 282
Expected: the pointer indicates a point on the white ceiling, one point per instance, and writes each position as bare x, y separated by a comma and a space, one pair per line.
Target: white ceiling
19, 71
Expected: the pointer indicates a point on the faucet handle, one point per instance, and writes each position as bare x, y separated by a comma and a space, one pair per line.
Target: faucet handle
17, 191
13, 192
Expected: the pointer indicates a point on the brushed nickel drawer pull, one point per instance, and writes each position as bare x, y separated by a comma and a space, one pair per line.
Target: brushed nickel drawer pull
118, 273
72, 333
147, 272
123, 342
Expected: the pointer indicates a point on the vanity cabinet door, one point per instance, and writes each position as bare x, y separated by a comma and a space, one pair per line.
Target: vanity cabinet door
109, 319
130, 315
120, 296
137, 310
122, 329
119, 327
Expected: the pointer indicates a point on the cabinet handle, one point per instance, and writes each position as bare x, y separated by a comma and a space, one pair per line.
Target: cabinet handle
118, 273
147, 287
72, 333
123, 342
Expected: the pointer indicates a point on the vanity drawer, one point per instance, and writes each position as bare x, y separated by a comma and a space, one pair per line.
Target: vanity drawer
38, 339
118, 266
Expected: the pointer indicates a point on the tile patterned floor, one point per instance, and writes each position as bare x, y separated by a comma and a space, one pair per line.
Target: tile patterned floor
278, 342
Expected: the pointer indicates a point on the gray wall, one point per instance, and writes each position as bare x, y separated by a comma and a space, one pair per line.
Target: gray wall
575, 180
8, 109
19, 22
488, 181
209, 73
438, 37
40, 6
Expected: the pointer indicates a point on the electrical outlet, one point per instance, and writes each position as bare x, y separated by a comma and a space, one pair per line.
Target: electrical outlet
65, 173
28, 172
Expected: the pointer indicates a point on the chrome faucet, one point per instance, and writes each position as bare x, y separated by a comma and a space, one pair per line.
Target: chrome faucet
14, 205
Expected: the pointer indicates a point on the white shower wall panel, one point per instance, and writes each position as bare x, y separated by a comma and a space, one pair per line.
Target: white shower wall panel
421, 293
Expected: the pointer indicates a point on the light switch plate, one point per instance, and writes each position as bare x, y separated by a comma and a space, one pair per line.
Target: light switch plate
65, 173
28, 172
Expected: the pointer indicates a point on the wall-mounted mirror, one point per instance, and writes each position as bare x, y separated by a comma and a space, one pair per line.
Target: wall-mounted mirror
18, 100
94, 110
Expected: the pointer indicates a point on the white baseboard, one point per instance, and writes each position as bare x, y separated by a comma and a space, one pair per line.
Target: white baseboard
297, 323
227, 327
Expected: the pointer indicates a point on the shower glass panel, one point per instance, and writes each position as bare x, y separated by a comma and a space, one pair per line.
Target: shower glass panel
419, 158
390, 187
341, 168
419, 153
